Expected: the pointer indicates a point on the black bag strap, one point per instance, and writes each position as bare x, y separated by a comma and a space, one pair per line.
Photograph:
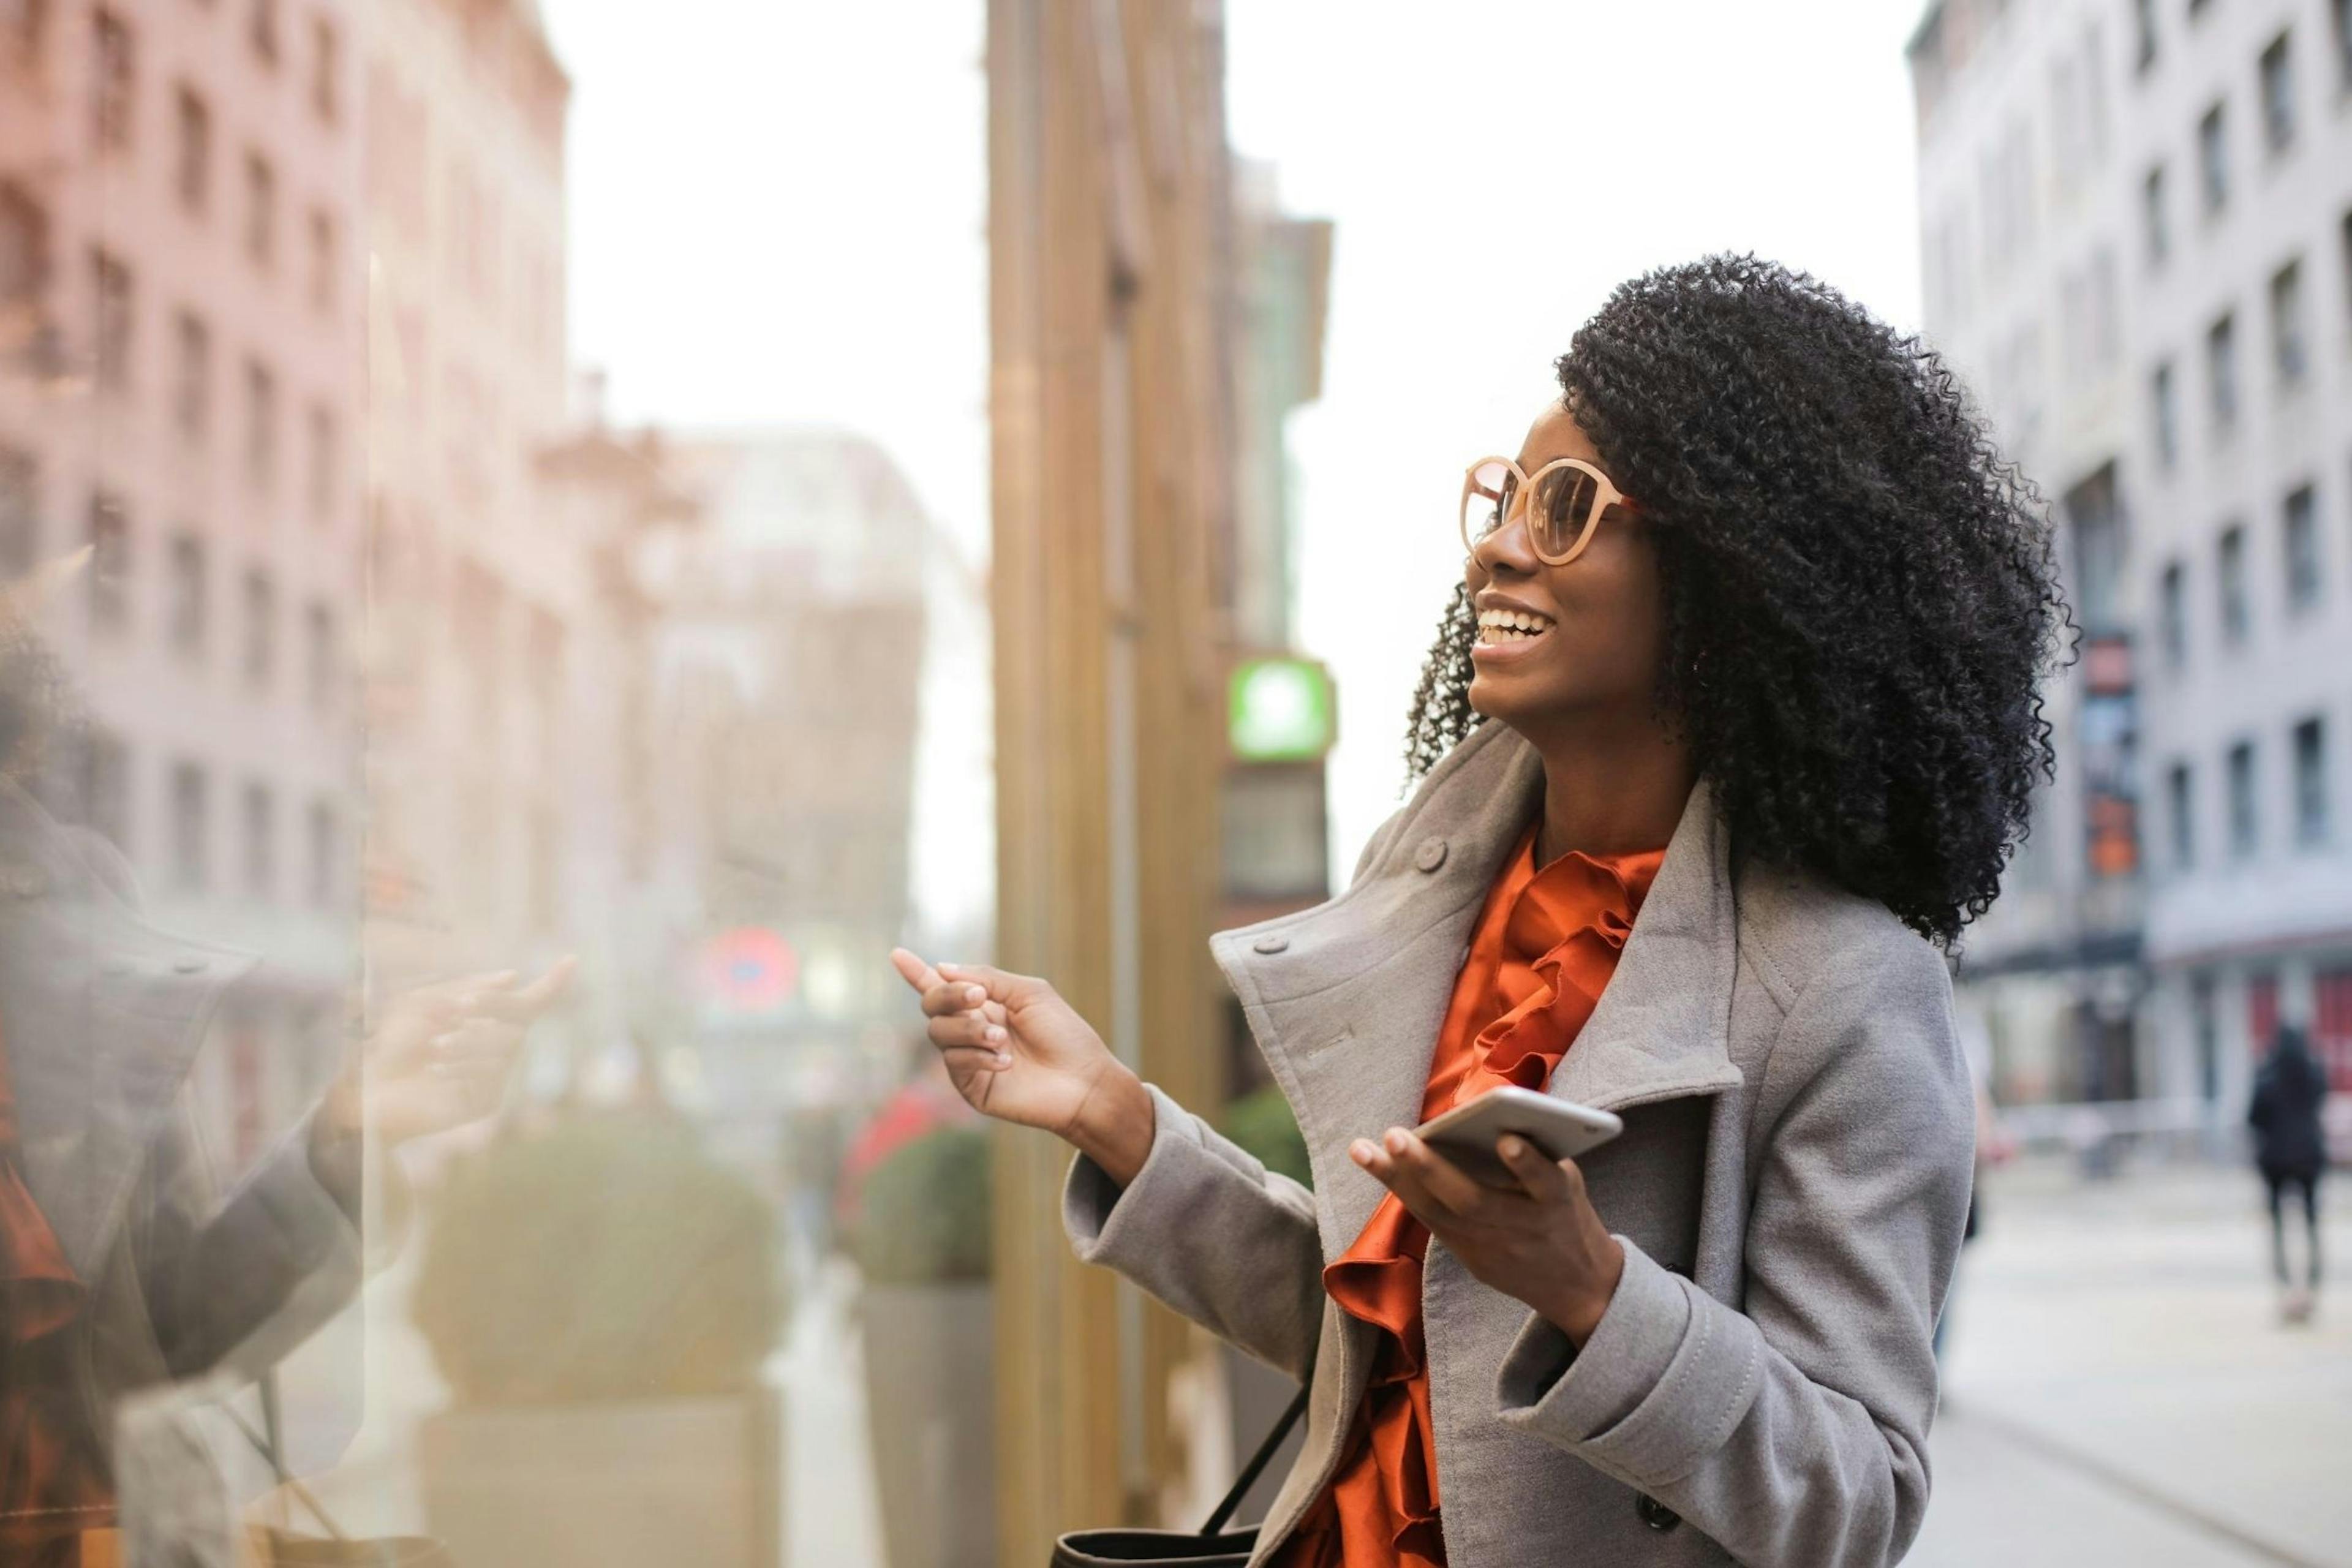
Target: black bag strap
1256, 1466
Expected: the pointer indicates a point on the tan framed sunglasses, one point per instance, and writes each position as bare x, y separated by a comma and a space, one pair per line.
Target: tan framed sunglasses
1564, 500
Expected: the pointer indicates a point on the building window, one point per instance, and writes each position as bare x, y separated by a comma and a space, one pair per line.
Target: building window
2213, 160
260, 841
325, 69
2222, 372
2166, 400
2172, 612
184, 609
2237, 614
2245, 825
2306, 577
2278, 95
24, 257
2341, 11
2180, 807
2156, 234
20, 524
260, 423
324, 259
193, 161
189, 866
2311, 782
261, 208
191, 380
260, 656
325, 458
111, 81
2144, 27
323, 844
2289, 353
319, 634
110, 562
111, 281
261, 30
105, 787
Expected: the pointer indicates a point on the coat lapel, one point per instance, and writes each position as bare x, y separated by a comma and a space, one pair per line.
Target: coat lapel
1346, 999
101, 1015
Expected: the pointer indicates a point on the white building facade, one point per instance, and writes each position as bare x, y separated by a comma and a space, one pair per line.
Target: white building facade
2137, 230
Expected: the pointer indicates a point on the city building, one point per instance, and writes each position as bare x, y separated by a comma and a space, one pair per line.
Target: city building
476, 598
182, 314
2137, 224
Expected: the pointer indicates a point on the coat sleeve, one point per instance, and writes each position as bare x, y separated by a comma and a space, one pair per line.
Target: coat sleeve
1794, 1433
1209, 1231
243, 1280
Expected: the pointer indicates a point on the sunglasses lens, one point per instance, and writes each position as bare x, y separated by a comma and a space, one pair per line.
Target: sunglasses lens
1563, 504
1492, 492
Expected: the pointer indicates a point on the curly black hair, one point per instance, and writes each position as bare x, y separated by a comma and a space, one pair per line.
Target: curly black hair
1861, 592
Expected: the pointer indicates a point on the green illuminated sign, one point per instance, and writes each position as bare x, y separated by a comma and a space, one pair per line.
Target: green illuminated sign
1279, 710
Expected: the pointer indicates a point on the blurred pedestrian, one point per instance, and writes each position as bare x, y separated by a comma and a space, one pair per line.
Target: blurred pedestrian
2291, 1152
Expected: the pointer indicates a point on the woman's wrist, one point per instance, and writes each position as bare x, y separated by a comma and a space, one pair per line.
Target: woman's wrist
1577, 1312
1115, 1126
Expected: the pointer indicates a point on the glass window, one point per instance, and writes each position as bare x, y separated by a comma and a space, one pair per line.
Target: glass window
319, 634
2289, 355
192, 377
2237, 614
193, 159
2155, 234
24, 250
110, 562
111, 281
2278, 95
261, 30
2166, 400
2222, 372
261, 208
260, 423
325, 69
2144, 27
2311, 782
323, 846
2340, 13
20, 517
185, 608
261, 656
2173, 613
105, 787
2180, 809
2306, 576
112, 68
2214, 159
189, 827
260, 814
325, 462
2245, 826
325, 256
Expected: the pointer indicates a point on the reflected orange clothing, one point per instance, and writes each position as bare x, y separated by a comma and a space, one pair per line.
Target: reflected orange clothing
1545, 945
52, 1486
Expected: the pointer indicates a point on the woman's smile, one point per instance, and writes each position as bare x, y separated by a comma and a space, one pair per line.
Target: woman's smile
1507, 632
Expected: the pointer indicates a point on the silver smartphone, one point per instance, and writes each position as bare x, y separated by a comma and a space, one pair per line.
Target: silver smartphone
1467, 1134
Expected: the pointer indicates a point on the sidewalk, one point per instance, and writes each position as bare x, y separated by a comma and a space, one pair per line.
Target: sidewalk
2119, 1389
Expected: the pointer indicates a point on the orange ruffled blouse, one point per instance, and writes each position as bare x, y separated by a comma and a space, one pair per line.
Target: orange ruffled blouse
1545, 943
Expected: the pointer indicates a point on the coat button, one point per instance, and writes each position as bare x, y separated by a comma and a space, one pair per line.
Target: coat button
1431, 855
1270, 943
1655, 1514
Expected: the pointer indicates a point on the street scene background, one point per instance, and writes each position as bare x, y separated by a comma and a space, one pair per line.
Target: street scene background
680, 502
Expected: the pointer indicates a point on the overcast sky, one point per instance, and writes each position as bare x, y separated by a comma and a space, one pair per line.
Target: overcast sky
778, 214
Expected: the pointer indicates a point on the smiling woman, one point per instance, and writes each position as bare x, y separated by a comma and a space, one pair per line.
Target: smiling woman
1761, 616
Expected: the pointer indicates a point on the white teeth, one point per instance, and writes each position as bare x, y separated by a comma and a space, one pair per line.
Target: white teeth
1510, 625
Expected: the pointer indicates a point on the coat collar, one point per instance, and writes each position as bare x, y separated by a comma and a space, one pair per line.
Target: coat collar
1346, 999
101, 1015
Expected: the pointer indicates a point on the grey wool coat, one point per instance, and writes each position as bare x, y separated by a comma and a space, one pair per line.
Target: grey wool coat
1789, 1191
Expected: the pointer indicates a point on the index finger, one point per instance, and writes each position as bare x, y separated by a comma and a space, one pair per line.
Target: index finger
914, 970
521, 1007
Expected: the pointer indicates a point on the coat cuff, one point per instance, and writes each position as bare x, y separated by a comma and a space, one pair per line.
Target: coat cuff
1092, 1213
1665, 1377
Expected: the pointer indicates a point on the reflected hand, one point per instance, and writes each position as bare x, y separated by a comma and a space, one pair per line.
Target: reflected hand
441, 1056
1017, 1052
